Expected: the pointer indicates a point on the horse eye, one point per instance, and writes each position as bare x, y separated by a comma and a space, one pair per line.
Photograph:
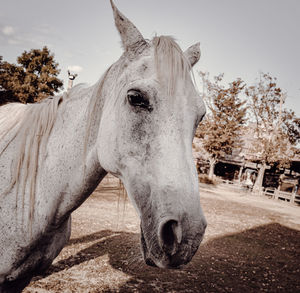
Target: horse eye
137, 99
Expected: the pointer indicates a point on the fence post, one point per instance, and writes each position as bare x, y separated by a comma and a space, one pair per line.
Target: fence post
293, 197
276, 194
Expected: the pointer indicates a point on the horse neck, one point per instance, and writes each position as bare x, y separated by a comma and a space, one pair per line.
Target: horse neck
86, 112
72, 150
64, 172
87, 105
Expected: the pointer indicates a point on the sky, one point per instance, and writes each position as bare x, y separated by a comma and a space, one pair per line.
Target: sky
238, 38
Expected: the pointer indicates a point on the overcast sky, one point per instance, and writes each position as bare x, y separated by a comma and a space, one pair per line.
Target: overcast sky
238, 38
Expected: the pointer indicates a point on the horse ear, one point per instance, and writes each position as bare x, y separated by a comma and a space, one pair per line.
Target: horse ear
130, 35
193, 54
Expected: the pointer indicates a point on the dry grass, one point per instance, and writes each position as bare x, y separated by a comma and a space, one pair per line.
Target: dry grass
203, 178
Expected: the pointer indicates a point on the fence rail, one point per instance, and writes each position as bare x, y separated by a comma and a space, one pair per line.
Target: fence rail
281, 195
269, 192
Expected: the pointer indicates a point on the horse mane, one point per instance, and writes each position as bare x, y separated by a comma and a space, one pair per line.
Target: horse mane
171, 63
29, 126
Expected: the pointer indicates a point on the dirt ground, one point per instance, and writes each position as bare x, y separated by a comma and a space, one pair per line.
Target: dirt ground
252, 244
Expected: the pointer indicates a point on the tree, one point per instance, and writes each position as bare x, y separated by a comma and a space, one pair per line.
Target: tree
291, 127
277, 130
220, 130
32, 80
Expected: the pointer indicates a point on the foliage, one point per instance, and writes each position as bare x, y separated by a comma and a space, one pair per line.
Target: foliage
32, 80
220, 131
277, 130
291, 126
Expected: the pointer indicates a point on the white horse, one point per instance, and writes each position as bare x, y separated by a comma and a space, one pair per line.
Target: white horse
138, 123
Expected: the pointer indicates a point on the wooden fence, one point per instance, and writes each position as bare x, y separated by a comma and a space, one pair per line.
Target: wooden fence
269, 192
281, 195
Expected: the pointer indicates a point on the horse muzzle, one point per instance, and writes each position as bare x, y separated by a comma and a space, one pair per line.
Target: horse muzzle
173, 244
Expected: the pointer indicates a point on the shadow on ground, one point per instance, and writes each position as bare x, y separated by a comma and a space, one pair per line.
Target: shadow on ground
265, 258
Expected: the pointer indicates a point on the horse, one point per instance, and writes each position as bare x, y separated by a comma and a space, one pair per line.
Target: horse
137, 123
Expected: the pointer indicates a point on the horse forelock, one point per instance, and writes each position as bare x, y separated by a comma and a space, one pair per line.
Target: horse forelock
170, 61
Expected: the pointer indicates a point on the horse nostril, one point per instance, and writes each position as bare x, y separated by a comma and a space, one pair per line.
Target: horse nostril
170, 236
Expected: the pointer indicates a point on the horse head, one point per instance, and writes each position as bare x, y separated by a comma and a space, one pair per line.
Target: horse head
150, 113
